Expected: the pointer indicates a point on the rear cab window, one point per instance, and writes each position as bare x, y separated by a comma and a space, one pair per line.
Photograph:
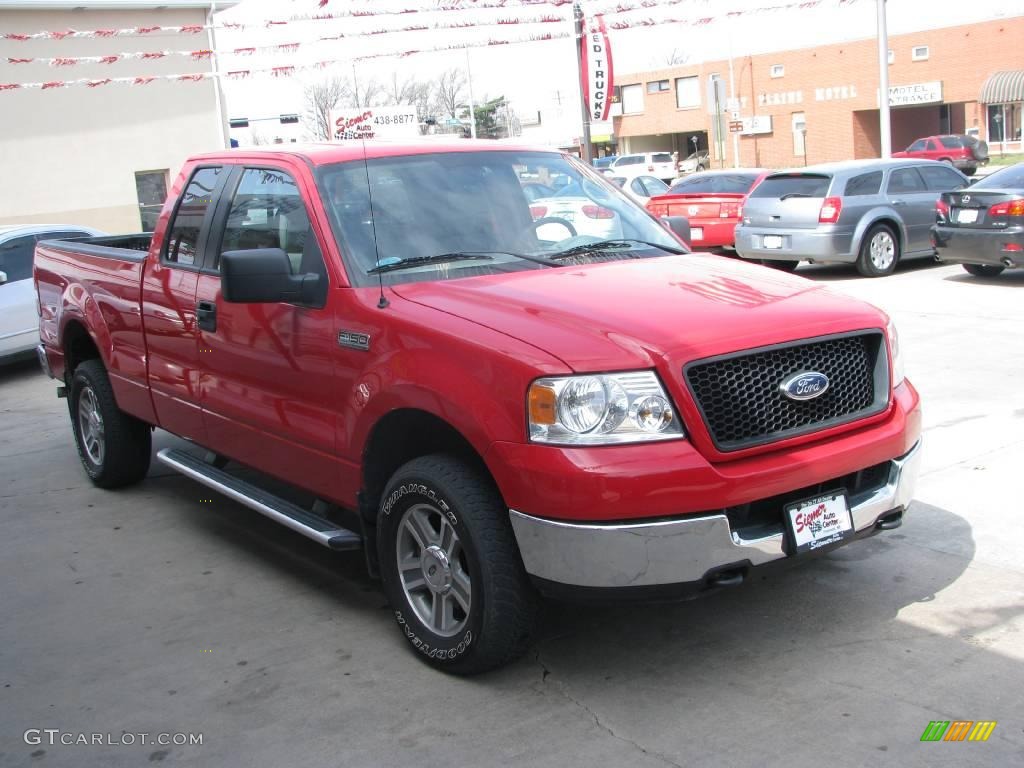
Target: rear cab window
793, 185
182, 246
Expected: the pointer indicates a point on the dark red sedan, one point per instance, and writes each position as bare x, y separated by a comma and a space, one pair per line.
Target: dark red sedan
965, 153
713, 202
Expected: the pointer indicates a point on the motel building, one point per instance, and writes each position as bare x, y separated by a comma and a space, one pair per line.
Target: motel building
815, 105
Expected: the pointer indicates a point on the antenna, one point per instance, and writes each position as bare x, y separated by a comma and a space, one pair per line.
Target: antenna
382, 302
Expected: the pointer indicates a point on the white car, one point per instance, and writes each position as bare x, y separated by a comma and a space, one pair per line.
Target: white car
640, 188
584, 215
657, 164
19, 321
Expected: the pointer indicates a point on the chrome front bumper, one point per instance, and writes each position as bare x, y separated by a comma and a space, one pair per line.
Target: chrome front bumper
677, 551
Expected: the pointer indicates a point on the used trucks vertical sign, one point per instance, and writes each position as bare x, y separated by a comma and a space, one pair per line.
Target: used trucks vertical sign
597, 63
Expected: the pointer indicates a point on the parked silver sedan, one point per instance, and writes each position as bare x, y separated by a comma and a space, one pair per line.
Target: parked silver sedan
871, 213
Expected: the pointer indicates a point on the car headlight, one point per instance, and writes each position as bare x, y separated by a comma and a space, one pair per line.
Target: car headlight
601, 409
897, 354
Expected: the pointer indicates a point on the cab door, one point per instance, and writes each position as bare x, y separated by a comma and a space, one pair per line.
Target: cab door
168, 305
269, 395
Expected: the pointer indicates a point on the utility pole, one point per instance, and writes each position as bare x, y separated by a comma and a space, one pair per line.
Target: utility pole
218, 92
585, 149
355, 86
472, 109
883, 82
734, 102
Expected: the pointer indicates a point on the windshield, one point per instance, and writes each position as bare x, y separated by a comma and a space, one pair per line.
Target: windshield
511, 209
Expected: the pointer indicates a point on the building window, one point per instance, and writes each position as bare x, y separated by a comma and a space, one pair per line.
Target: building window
919, 53
799, 134
632, 99
892, 56
777, 70
658, 86
1004, 122
687, 92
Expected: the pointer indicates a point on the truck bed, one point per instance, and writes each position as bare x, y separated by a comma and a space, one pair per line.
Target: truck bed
124, 247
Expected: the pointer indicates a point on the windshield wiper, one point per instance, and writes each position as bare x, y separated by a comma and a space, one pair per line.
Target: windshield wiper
793, 194
610, 245
438, 258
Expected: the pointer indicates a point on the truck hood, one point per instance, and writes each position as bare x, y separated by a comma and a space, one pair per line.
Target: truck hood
631, 314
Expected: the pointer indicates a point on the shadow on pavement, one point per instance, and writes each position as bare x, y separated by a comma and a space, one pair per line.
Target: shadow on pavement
840, 272
1008, 279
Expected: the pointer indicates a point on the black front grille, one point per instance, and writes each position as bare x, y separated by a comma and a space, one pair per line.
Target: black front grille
740, 397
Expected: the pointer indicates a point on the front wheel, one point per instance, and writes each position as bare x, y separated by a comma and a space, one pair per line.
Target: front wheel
983, 270
879, 252
114, 447
451, 568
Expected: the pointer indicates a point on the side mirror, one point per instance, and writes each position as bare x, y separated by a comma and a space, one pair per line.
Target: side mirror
3, 278
264, 276
680, 225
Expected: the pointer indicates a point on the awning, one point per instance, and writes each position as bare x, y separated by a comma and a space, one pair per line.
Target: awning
1003, 87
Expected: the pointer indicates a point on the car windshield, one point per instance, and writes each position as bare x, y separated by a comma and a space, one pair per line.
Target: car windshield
714, 183
1011, 178
424, 217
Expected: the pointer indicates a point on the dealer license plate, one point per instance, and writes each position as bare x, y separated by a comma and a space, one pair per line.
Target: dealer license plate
820, 521
967, 215
772, 241
696, 233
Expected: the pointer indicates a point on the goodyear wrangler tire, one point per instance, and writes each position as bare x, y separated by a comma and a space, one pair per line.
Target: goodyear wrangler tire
114, 447
451, 568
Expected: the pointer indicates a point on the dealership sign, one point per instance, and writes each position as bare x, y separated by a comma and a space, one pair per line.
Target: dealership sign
917, 93
374, 123
597, 66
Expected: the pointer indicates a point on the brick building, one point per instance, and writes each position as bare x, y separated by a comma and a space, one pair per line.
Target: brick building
819, 104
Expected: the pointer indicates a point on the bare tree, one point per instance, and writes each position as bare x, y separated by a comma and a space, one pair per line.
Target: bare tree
399, 92
449, 92
320, 98
367, 93
674, 58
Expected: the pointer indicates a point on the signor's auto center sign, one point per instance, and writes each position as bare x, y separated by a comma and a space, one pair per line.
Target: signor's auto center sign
374, 123
597, 68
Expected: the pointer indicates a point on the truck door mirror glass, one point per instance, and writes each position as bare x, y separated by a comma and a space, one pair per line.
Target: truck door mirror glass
264, 276
680, 225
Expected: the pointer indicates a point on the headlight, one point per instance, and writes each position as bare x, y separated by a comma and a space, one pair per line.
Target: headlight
600, 409
897, 354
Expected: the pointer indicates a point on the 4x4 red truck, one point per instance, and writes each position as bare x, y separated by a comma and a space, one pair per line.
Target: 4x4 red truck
490, 414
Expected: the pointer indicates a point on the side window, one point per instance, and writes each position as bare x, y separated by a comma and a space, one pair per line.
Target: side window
905, 181
16, 258
638, 188
917, 146
865, 184
631, 160
663, 157
183, 237
941, 179
267, 212
931, 146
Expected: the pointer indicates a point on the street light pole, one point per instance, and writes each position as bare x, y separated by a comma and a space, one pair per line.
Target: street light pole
472, 107
585, 149
883, 82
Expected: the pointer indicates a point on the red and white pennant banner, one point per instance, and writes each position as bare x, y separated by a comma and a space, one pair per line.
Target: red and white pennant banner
286, 71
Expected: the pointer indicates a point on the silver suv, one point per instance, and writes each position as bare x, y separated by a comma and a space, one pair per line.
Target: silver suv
868, 212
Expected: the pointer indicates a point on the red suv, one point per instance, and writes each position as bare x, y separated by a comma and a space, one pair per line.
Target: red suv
963, 152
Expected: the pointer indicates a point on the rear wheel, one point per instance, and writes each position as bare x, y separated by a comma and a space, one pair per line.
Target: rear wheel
983, 270
700, 167
970, 170
114, 447
879, 252
451, 568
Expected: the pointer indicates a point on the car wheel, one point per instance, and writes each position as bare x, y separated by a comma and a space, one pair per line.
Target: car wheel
879, 252
983, 270
700, 167
451, 568
114, 447
782, 266
970, 170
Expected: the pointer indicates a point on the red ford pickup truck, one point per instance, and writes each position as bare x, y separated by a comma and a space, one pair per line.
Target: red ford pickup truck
492, 407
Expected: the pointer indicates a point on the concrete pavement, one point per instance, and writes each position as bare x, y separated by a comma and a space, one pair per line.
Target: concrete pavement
150, 610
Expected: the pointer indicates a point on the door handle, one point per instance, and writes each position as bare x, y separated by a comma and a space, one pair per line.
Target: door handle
206, 315
898, 202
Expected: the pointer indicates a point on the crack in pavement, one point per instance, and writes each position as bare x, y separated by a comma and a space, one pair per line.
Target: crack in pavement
564, 693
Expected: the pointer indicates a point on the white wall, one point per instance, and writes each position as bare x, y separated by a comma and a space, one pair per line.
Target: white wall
70, 155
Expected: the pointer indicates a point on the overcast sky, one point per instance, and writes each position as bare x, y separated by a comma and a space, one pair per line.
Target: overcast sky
538, 75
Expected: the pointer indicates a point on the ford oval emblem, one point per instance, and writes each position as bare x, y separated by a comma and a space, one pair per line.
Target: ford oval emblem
805, 385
